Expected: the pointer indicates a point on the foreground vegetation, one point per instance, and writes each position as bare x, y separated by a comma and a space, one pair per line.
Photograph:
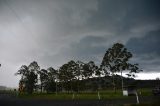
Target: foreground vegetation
103, 94
106, 96
71, 96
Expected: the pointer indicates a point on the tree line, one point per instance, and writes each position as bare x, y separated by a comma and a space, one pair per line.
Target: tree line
72, 76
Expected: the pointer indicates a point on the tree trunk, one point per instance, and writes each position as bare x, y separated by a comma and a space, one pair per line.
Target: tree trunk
56, 87
99, 97
78, 85
114, 85
62, 86
122, 80
41, 88
71, 86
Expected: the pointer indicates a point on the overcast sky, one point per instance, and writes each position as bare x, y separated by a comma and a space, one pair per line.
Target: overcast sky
52, 32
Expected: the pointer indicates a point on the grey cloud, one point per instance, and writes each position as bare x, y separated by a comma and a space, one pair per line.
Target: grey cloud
149, 66
148, 44
126, 15
146, 50
88, 48
54, 16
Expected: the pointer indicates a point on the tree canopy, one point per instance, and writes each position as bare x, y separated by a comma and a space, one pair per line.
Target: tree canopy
116, 59
71, 75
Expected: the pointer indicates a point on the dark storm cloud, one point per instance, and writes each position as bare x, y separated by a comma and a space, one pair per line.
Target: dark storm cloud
126, 16
87, 49
147, 50
148, 44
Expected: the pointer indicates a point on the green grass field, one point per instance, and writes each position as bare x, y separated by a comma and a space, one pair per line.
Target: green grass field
86, 95
105, 94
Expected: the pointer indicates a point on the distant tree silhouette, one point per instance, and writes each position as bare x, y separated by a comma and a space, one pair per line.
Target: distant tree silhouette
78, 74
43, 76
89, 69
157, 78
67, 74
116, 59
73, 76
51, 84
23, 71
29, 76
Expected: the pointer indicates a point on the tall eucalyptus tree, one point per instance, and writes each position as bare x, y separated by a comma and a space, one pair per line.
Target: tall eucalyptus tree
116, 59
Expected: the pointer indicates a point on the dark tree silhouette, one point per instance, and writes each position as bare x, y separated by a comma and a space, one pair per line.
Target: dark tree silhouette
29, 76
43, 76
116, 59
67, 74
23, 71
89, 69
51, 84
73, 76
78, 74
